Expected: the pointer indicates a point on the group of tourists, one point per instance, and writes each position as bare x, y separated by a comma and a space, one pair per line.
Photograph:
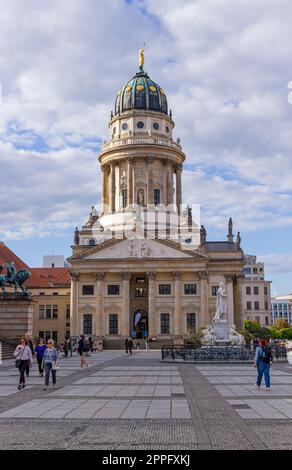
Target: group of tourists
47, 357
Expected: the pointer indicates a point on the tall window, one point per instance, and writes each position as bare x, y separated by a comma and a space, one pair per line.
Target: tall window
256, 290
87, 290
156, 196
248, 305
48, 312
124, 198
266, 290
256, 305
214, 290
87, 324
164, 324
248, 290
191, 322
68, 312
113, 324
164, 289
42, 312
190, 289
113, 289
266, 305
55, 312
267, 320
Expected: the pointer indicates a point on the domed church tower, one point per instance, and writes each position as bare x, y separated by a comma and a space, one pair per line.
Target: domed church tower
141, 266
141, 164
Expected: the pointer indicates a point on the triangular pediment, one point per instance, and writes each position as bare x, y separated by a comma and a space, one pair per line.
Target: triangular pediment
139, 249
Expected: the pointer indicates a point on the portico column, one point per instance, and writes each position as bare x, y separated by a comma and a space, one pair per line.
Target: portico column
169, 187
177, 330
113, 187
130, 182
125, 320
99, 324
74, 304
178, 170
103, 171
152, 324
230, 298
204, 319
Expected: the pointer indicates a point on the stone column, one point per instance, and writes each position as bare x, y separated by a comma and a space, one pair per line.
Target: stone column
99, 324
150, 193
177, 321
130, 182
238, 300
74, 328
169, 187
125, 320
152, 321
230, 298
113, 187
178, 170
204, 318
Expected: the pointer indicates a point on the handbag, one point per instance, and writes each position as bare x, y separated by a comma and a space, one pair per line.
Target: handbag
55, 364
18, 361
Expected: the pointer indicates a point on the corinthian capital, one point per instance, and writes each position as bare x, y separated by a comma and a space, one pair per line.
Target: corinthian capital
126, 276
151, 275
203, 275
176, 275
74, 276
99, 276
178, 167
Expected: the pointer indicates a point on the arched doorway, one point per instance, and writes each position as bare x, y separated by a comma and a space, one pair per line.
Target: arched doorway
140, 323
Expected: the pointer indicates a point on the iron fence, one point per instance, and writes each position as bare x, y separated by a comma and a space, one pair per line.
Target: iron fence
216, 353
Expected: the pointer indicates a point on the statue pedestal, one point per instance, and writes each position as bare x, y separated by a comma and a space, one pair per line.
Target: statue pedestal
16, 316
221, 331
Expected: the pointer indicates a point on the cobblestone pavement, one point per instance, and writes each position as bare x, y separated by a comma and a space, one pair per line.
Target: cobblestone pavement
138, 402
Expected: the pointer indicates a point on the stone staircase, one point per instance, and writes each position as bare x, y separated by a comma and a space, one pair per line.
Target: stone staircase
7, 350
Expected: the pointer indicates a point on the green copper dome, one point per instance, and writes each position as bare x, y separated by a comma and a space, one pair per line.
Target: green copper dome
141, 93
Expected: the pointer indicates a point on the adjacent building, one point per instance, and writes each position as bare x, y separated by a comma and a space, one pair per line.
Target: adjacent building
282, 308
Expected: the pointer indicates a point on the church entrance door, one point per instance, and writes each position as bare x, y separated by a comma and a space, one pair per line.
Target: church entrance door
140, 326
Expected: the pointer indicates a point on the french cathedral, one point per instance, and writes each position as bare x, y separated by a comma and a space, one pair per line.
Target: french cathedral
142, 266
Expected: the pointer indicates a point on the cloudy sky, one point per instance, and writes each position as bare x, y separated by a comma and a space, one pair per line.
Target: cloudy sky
225, 66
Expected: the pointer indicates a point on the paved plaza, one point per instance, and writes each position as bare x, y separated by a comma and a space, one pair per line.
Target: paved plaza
138, 402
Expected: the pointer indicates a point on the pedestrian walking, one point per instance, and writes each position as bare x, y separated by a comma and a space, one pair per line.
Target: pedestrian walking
39, 351
126, 345
263, 359
70, 346
91, 344
30, 344
82, 352
23, 360
130, 345
51, 363
65, 348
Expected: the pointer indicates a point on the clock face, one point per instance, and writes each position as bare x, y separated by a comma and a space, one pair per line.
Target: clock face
92, 242
140, 124
124, 126
156, 126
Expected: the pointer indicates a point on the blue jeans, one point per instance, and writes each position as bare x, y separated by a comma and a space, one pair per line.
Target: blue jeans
263, 369
48, 369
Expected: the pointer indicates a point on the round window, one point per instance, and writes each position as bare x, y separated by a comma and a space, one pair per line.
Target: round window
124, 126
140, 124
92, 242
167, 129
156, 126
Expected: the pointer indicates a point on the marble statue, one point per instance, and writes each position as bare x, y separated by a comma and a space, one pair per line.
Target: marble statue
230, 230
76, 236
203, 235
208, 338
235, 338
93, 216
238, 240
140, 197
221, 304
145, 250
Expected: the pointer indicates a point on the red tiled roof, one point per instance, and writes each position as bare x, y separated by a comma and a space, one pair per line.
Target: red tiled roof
40, 277
6, 256
54, 276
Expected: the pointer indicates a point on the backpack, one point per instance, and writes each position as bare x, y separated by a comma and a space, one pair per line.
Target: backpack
86, 347
266, 355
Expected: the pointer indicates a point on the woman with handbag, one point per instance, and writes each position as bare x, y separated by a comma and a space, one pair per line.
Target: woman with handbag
51, 363
23, 360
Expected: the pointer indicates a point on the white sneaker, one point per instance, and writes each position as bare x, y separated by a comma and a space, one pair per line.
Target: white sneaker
268, 389
257, 387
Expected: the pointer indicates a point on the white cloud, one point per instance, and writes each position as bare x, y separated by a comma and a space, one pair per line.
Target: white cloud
277, 263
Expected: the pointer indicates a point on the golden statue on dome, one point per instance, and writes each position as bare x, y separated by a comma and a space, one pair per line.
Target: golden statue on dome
141, 58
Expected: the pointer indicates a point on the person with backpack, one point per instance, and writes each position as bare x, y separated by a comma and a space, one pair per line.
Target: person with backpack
130, 345
262, 360
83, 348
50, 363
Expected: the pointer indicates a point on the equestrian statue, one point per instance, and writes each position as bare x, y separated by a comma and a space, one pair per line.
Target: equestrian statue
13, 277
